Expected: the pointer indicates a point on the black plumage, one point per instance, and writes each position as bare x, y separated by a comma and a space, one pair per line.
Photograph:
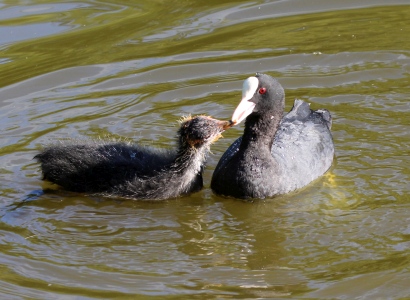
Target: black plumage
134, 171
277, 154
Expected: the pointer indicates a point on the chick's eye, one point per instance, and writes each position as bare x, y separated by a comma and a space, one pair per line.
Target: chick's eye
262, 91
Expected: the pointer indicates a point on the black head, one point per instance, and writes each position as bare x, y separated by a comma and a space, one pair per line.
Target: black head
260, 94
201, 130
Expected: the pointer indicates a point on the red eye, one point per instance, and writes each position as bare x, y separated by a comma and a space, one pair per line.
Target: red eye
262, 91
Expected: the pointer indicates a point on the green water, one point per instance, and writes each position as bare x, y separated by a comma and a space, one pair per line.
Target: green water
131, 69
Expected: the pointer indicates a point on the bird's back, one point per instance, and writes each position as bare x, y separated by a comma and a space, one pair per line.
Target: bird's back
97, 166
303, 145
302, 148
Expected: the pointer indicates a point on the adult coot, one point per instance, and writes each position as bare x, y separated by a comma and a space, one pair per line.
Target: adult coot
276, 154
133, 171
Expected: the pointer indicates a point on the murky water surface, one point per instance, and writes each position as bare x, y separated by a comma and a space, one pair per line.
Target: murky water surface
131, 69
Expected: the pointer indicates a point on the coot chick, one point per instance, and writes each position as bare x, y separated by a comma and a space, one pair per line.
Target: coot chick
277, 154
133, 171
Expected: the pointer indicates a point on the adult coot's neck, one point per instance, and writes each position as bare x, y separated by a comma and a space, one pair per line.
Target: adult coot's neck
262, 104
260, 129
